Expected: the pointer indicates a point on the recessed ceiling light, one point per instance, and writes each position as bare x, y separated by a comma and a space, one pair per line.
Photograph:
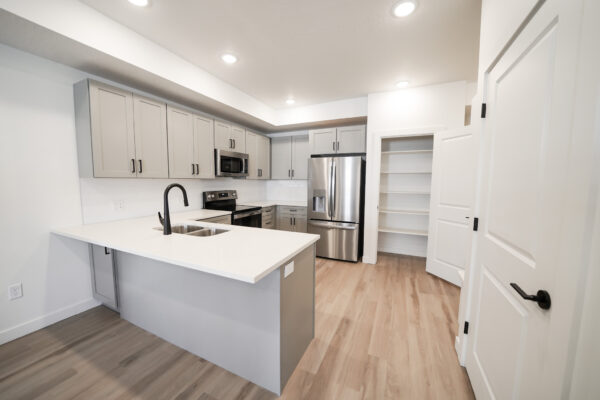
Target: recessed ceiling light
404, 8
289, 102
139, 3
402, 84
229, 58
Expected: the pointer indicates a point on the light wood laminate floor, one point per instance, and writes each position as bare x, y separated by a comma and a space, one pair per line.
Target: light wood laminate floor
382, 332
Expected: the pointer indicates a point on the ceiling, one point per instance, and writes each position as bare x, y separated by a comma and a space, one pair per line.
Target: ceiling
312, 50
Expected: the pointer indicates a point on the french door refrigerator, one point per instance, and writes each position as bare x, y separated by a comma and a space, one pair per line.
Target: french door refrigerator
335, 205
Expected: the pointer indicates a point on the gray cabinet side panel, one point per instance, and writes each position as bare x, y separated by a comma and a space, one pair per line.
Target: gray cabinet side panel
83, 129
297, 311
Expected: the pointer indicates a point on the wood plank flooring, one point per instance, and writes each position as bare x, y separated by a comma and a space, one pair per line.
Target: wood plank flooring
382, 332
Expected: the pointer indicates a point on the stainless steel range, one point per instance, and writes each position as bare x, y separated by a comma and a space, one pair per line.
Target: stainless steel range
226, 200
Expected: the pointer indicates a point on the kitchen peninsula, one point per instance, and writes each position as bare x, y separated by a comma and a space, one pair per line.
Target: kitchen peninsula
242, 299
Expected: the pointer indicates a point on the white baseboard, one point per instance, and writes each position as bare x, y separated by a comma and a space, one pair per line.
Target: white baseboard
35, 324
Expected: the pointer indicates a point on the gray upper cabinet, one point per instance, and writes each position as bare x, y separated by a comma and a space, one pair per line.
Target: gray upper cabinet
110, 120
289, 157
281, 157
258, 148
190, 144
322, 141
204, 147
118, 134
300, 156
182, 158
150, 128
230, 138
344, 140
351, 139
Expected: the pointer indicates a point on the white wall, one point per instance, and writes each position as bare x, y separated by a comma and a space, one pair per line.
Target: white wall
426, 108
40, 191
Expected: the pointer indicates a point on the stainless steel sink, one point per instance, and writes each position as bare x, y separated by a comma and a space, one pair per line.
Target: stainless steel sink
194, 230
208, 232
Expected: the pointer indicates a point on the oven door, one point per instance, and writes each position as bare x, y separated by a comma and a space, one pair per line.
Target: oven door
229, 163
252, 219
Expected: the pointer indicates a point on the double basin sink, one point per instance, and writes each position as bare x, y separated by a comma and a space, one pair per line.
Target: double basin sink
194, 230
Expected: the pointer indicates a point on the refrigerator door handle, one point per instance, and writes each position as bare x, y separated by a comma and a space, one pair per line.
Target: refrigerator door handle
333, 187
329, 225
330, 191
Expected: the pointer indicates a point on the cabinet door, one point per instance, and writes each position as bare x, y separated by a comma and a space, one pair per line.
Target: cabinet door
113, 140
281, 158
150, 127
322, 141
264, 157
300, 224
238, 136
223, 136
300, 155
284, 223
180, 131
253, 157
351, 139
104, 276
204, 147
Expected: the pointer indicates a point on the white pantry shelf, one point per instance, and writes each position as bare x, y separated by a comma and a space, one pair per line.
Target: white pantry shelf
406, 172
422, 192
410, 212
415, 232
406, 152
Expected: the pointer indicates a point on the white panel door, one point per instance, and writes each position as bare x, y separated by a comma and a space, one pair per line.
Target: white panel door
351, 139
281, 158
182, 157
451, 208
150, 127
204, 146
300, 156
113, 140
238, 139
322, 141
223, 136
252, 150
527, 134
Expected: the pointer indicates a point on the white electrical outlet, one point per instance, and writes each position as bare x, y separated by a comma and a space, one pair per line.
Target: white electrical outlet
288, 269
118, 205
15, 291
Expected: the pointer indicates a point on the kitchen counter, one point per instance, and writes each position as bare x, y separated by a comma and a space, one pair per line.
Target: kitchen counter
244, 254
269, 203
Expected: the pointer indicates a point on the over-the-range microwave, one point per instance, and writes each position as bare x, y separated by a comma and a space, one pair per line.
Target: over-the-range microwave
230, 163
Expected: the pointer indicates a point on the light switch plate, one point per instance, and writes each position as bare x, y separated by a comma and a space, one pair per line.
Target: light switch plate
288, 269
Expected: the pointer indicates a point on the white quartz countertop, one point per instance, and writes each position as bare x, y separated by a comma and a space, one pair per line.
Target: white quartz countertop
242, 253
269, 203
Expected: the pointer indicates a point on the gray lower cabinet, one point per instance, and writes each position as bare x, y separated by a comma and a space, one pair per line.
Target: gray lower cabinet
104, 276
291, 218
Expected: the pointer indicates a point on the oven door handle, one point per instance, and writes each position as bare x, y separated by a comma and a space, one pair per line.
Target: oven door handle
246, 214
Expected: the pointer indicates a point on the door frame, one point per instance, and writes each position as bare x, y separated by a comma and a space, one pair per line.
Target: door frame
373, 175
577, 246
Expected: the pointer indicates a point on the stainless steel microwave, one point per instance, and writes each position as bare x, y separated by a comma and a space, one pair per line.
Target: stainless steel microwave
229, 163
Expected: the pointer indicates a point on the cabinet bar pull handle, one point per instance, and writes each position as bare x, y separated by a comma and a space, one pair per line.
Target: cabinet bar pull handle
333, 146
292, 173
230, 144
197, 169
338, 146
193, 169
234, 143
140, 162
133, 166
289, 172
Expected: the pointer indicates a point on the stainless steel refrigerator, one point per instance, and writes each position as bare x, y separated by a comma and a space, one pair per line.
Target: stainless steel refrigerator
336, 204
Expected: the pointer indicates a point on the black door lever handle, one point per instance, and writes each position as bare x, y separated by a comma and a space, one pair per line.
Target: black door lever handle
542, 298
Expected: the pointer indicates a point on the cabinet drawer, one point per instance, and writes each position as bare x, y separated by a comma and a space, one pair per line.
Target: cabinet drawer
268, 224
267, 218
291, 211
268, 210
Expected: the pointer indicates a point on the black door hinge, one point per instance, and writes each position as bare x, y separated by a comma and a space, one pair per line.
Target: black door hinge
466, 329
483, 110
476, 224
